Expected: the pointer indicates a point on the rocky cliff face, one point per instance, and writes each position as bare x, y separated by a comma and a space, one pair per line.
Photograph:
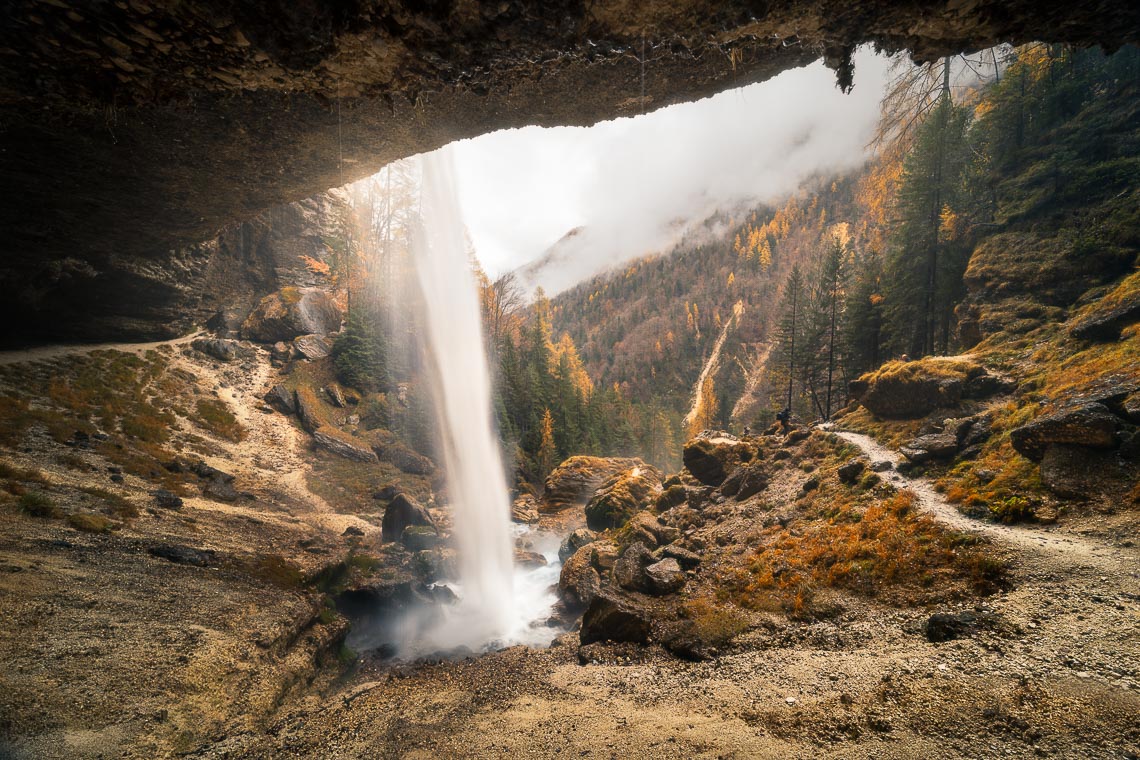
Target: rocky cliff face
132, 131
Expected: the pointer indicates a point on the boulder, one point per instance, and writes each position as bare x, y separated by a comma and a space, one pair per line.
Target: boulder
167, 499
687, 559
571, 483
909, 390
525, 510
1106, 324
753, 480
344, 445
281, 399
712, 456
946, 626
217, 348
575, 541
183, 555
665, 577
221, 490
611, 617
932, 446
674, 495
622, 496
1076, 472
401, 512
629, 570
335, 396
851, 472
1091, 425
529, 559
1130, 407
604, 555
579, 582
313, 346
405, 459
289, 312
417, 538
308, 409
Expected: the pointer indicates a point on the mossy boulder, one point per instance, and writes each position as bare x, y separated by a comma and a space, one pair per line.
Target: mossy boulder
711, 458
290, 312
913, 389
1090, 425
572, 482
623, 496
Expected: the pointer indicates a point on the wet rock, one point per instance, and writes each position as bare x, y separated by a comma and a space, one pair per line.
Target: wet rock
610, 617
400, 513
575, 541
665, 577
1091, 425
530, 560
183, 555
622, 496
574, 481
167, 499
851, 472
417, 538
579, 581
344, 445
281, 399
217, 348
933, 446
290, 312
629, 570
712, 456
313, 346
525, 510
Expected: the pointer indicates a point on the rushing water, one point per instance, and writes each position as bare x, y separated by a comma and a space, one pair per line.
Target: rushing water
498, 604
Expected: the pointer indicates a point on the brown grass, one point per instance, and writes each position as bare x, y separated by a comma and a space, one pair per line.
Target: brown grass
89, 523
215, 416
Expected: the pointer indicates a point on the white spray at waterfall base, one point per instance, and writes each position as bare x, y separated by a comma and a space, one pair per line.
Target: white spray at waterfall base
497, 604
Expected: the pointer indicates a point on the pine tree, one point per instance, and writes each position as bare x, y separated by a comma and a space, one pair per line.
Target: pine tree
547, 455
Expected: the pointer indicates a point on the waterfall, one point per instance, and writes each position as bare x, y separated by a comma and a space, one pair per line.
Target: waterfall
461, 380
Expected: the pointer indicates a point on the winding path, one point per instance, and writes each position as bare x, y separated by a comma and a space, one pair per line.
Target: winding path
1071, 548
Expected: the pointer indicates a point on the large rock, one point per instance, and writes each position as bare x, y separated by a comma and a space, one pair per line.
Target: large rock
710, 458
1091, 425
579, 581
629, 570
571, 483
623, 496
313, 346
1105, 324
344, 445
524, 510
612, 617
281, 399
1078, 472
308, 409
908, 390
665, 577
401, 512
575, 541
217, 348
290, 312
405, 459
932, 446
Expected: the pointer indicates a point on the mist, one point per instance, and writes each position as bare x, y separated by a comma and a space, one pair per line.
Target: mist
633, 185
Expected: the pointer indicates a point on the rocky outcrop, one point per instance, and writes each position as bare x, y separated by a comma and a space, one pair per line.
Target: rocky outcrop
932, 446
571, 483
400, 513
1106, 324
623, 496
909, 390
1091, 425
312, 347
217, 348
579, 580
712, 456
281, 398
611, 617
344, 445
524, 510
404, 458
575, 541
292, 312
665, 577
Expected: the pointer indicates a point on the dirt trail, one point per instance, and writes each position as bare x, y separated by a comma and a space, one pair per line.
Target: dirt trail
1071, 548
43, 353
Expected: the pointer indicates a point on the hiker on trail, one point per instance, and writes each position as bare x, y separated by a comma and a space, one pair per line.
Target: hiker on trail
784, 418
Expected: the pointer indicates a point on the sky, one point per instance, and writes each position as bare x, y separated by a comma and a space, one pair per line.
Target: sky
628, 182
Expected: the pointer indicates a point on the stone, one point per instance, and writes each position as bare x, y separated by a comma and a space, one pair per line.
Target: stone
217, 348
932, 446
405, 459
1090, 424
712, 456
1130, 407
1077, 472
610, 617
909, 390
401, 512
183, 555
574, 481
688, 560
344, 445
351, 531
575, 541
206, 472
881, 466
579, 581
220, 490
167, 499
525, 510
417, 538
629, 570
947, 626
622, 496
281, 399
809, 485
650, 525
665, 577
850, 473
1105, 325
291, 312
313, 346
753, 480
335, 396
308, 409
529, 560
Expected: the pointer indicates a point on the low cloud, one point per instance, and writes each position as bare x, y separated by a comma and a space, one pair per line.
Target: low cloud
634, 184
